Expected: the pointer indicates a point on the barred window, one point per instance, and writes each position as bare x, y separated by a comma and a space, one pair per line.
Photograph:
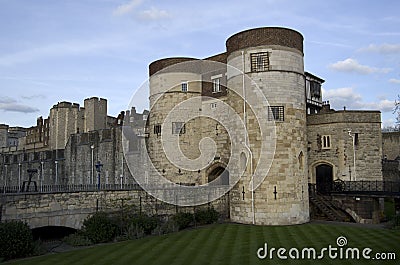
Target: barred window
184, 86
276, 113
216, 85
259, 62
178, 128
157, 129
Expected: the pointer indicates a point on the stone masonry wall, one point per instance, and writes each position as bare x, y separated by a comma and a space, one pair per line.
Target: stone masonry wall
336, 125
71, 209
391, 145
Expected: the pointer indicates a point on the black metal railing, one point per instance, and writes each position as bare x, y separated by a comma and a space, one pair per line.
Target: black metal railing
67, 188
366, 187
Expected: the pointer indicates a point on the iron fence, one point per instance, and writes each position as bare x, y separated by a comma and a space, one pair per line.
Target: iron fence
67, 188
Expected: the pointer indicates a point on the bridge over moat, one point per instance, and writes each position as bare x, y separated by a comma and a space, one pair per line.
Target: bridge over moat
68, 206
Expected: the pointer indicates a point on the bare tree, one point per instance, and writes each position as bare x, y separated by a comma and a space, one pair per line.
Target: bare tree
397, 111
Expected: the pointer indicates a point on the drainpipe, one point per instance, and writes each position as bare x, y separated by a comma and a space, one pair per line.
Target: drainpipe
246, 142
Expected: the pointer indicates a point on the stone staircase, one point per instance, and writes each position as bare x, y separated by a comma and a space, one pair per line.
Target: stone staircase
328, 208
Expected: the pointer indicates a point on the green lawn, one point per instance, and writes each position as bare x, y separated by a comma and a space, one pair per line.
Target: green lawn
231, 244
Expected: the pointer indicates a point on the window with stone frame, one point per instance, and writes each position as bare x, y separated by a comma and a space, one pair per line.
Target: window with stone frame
178, 128
326, 141
259, 62
276, 113
216, 85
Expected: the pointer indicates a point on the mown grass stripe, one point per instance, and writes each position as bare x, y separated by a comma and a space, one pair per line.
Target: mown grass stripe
229, 244
206, 246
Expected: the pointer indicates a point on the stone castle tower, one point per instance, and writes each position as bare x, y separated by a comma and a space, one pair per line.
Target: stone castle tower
272, 60
67, 118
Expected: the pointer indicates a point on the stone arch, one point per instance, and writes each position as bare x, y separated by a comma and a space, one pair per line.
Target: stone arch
313, 166
74, 221
324, 178
217, 174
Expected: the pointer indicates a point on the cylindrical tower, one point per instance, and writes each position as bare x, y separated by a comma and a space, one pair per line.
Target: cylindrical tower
273, 59
173, 81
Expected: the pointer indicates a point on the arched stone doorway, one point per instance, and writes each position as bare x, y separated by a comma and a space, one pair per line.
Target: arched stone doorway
324, 178
219, 175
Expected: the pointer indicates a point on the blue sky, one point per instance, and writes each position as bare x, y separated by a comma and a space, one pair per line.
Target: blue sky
53, 51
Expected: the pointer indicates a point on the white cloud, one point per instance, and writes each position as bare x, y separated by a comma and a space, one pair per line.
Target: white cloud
127, 8
352, 66
382, 48
11, 105
347, 97
153, 14
394, 81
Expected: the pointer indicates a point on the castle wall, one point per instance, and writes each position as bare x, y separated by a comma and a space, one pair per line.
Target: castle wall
336, 125
391, 145
107, 148
14, 166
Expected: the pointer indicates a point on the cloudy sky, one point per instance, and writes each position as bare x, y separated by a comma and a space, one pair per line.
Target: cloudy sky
53, 51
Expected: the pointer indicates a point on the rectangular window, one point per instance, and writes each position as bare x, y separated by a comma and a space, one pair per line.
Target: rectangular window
326, 141
259, 62
157, 129
276, 113
214, 105
184, 86
216, 85
178, 128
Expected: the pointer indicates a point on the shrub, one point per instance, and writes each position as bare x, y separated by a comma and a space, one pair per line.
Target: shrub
147, 223
207, 216
16, 240
167, 227
77, 239
99, 228
134, 231
183, 220
396, 221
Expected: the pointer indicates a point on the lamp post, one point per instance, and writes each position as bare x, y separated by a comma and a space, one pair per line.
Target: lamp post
354, 154
99, 166
5, 179
56, 180
91, 171
42, 176
19, 176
